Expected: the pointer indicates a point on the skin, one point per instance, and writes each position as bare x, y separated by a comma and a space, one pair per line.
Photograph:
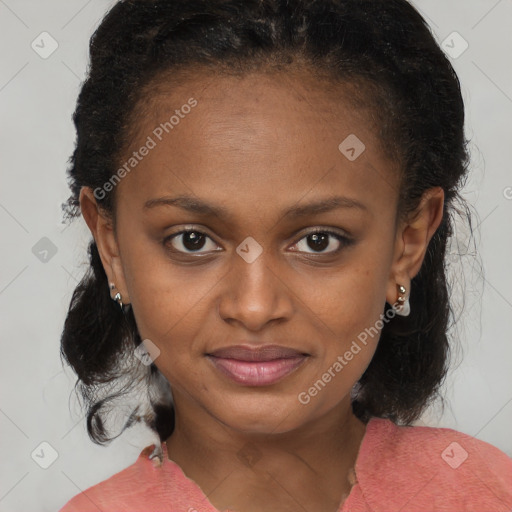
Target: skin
256, 146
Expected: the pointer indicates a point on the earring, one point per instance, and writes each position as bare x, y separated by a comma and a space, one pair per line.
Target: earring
404, 307
118, 298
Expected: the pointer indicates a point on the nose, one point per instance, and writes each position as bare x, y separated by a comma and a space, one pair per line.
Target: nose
255, 294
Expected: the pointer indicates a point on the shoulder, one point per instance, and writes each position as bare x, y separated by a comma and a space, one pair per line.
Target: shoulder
428, 468
144, 485
118, 489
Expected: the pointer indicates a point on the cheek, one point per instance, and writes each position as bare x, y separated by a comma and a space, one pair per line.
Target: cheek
347, 311
349, 301
170, 306
166, 304
350, 308
170, 303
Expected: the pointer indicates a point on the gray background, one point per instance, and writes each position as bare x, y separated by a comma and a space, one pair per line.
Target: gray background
37, 98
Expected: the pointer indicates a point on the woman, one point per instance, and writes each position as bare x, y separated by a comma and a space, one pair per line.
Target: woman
270, 187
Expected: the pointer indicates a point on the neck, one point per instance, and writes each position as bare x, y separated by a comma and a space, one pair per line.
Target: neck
251, 471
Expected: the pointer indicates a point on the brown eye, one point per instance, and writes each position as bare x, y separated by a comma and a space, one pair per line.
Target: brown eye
320, 240
189, 241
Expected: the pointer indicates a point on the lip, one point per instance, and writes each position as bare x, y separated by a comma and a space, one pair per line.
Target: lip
261, 366
262, 353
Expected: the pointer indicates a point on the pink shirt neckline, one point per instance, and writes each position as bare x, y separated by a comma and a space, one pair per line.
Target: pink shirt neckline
420, 454
397, 468
372, 427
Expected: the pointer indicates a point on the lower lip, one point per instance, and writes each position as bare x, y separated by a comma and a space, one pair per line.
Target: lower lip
257, 373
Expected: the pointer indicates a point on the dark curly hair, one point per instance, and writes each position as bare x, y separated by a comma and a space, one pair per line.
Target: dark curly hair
385, 51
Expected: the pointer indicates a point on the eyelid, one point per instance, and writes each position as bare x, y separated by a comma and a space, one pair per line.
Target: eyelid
188, 228
321, 229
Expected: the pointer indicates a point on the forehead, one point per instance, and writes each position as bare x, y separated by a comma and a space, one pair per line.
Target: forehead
292, 95
254, 135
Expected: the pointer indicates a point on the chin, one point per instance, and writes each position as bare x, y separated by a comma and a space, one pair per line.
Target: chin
264, 417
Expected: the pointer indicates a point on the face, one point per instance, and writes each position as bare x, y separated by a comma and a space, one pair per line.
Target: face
280, 237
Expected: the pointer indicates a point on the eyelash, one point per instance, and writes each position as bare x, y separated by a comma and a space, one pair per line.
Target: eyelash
343, 240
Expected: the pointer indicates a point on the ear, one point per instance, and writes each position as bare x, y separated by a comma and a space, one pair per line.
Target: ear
412, 239
103, 232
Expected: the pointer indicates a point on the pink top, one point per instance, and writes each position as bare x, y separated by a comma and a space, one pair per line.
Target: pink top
407, 469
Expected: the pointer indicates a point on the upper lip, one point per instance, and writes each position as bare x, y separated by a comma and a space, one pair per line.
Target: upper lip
262, 353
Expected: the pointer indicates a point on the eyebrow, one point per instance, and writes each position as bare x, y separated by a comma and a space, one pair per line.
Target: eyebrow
200, 207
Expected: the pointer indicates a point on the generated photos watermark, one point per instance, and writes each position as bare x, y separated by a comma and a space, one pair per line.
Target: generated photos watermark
304, 397
152, 141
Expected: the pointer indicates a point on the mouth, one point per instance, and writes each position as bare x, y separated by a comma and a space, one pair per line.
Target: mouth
260, 366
